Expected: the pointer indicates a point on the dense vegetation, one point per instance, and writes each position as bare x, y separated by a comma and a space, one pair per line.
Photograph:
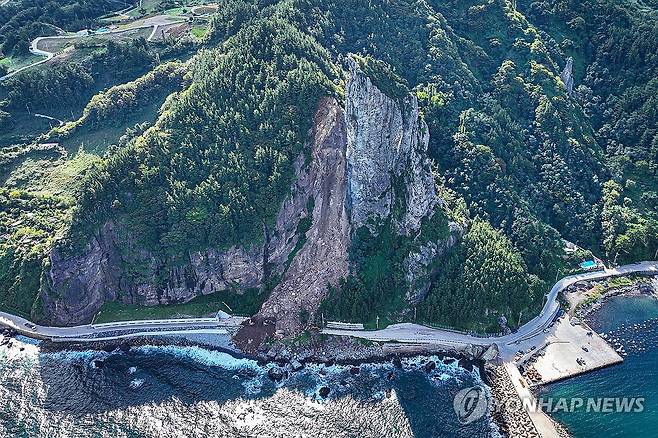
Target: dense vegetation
114, 106
41, 180
614, 47
69, 83
28, 224
521, 162
220, 160
483, 279
378, 286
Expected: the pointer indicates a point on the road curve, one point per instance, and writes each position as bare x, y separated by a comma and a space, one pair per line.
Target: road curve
403, 333
419, 334
152, 22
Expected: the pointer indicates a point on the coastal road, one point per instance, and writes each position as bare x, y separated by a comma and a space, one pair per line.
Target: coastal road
533, 330
120, 329
35, 51
401, 333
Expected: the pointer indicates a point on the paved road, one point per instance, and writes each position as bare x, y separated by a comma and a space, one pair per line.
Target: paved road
35, 51
121, 329
403, 333
151, 22
43, 116
532, 330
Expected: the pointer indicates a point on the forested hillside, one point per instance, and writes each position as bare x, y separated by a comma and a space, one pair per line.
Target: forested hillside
219, 162
41, 168
616, 67
524, 152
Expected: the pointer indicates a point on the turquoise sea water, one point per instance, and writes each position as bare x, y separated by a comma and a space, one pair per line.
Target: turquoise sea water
177, 392
633, 321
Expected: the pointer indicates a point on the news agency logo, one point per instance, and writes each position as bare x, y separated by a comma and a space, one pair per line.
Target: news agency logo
471, 404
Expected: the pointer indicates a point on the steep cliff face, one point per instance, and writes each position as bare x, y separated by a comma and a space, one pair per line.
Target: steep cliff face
567, 76
386, 149
368, 164
421, 265
77, 287
115, 268
323, 258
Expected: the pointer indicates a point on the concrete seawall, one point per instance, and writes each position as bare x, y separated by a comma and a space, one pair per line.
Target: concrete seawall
512, 399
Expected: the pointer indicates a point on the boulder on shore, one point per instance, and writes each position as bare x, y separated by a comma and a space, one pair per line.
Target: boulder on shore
275, 374
490, 354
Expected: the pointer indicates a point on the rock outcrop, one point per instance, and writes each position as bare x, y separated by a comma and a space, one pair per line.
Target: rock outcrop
323, 258
368, 164
567, 76
386, 149
420, 266
490, 354
76, 287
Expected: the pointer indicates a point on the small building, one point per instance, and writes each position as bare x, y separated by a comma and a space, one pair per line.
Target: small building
590, 265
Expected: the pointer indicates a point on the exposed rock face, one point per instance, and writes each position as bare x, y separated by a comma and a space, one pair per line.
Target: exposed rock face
567, 76
367, 162
323, 259
82, 284
386, 147
491, 353
420, 265
77, 287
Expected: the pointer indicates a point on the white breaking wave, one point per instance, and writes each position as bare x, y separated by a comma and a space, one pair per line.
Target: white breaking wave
201, 355
136, 383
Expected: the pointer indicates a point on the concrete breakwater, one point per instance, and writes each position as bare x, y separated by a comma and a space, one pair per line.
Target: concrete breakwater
509, 414
571, 347
512, 407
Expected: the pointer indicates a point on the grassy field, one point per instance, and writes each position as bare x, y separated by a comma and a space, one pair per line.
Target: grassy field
55, 45
41, 173
206, 305
26, 127
146, 7
97, 140
199, 31
14, 63
150, 7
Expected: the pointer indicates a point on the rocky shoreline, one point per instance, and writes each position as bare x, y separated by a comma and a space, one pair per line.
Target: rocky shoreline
639, 288
285, 358
281, 361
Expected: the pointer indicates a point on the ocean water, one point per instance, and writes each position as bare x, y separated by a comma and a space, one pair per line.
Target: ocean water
633, 322
193, 392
